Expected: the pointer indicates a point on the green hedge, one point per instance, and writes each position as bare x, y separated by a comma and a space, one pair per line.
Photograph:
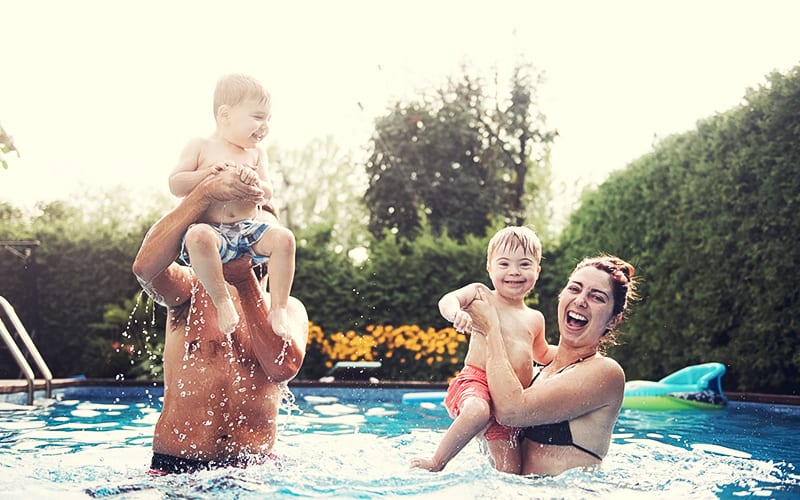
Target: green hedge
710, 220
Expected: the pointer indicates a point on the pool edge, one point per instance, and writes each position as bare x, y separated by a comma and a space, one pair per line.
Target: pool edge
17, 385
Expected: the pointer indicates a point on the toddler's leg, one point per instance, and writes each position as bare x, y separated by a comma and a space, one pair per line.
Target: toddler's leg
472, 419
278, 243
202, 243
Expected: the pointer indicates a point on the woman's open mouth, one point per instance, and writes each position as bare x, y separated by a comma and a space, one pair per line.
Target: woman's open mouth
575, 319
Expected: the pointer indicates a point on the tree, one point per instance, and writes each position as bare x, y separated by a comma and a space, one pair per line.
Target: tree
6, 146
83, 262
709, 218
319, 190
459, 158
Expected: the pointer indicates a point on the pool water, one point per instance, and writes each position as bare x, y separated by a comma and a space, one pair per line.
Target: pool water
357, 443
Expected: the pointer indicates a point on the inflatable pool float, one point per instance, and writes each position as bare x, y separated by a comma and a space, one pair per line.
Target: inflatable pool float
435, 397
694, 387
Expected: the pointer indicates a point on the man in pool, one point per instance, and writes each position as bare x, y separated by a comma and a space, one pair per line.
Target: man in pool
221, 392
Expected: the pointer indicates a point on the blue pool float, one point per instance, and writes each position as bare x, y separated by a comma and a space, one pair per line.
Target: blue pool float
435, 397
694, 387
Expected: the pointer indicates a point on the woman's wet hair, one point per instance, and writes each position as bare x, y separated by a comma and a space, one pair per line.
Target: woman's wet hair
622, 280
623, 287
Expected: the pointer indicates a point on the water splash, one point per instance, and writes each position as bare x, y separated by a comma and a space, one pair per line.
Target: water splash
281, 357
288, 402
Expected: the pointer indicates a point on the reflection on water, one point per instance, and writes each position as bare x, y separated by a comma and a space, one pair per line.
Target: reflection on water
358, 444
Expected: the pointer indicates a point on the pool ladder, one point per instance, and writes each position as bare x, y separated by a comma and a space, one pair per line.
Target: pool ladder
17, 353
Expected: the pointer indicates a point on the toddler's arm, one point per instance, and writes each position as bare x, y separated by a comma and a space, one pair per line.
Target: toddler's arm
256, 175
543, 352
187, 175
452, 305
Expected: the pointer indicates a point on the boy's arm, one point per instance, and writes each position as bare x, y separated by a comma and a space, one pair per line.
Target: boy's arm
452, 305
264, 180
543, 352
187, 175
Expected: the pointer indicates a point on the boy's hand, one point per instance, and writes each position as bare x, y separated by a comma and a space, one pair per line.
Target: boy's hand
226, 186
462, 321
248, 174
219, 167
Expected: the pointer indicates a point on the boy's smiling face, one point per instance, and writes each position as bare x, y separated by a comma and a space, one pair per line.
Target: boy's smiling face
513, 272
247, 123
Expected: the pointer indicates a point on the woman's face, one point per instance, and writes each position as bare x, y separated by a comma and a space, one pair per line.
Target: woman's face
585, 306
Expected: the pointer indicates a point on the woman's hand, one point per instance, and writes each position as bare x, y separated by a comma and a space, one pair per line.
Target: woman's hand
483, 312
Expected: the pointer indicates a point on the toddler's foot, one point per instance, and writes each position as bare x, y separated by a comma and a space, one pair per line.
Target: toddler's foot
424, 463
227, 317
279, 321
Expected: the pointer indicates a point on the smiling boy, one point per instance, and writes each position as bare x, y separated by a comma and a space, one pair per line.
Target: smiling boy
512, 261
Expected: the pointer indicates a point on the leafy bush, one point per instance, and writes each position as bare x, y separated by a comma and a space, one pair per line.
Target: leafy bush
710, 220
406, 352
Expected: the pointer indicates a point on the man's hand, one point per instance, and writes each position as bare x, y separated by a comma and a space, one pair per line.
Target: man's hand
238, 270
219, 167
248, 174
226, 186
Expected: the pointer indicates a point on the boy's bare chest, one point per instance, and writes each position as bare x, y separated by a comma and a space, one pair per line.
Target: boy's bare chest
214, 153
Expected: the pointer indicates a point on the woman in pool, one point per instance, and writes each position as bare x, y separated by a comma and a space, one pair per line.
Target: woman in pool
569, 410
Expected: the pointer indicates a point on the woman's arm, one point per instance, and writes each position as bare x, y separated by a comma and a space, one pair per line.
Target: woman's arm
581, 389
280, 360
504, 385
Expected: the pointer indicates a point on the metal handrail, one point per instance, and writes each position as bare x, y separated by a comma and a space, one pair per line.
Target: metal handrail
29, 345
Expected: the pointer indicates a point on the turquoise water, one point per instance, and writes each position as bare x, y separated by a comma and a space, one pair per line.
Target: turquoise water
357, 443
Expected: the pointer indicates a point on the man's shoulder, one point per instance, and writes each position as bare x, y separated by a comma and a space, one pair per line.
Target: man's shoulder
170, 283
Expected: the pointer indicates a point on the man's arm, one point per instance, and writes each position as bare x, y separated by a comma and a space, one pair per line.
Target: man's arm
280, 360
162, 242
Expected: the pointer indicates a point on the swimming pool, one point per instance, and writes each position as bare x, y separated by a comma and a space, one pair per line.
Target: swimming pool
357, 443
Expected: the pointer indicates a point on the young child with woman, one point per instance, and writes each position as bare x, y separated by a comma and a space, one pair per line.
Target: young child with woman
569, 410
513, 263
229, 229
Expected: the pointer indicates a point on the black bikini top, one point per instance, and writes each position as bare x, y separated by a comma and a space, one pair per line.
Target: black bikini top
559, 433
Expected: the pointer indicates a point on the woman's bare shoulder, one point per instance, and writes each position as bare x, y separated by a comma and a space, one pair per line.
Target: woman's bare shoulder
610, 371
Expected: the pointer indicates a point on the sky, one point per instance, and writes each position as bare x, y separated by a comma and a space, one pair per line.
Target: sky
102, 93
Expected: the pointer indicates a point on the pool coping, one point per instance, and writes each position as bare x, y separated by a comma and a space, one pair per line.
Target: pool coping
19, 385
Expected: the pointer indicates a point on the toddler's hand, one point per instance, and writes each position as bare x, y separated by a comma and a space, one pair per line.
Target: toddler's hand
220, 166
248, 175
462, 321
